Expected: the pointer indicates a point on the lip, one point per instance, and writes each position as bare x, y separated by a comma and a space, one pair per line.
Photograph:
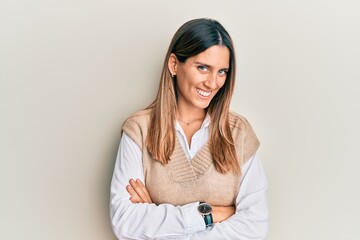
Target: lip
202, 93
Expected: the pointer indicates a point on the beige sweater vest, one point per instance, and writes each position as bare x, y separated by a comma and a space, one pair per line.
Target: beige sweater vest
182, 181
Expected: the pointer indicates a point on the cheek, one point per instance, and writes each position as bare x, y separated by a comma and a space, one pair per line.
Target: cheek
221, 82
189, 78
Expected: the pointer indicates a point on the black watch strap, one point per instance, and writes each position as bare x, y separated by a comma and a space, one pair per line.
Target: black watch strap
208, 220
206, 213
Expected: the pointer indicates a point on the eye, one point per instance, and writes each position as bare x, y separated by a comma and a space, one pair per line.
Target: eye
203, 68
223, 72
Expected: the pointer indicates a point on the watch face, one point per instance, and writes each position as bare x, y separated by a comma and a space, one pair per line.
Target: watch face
204, 208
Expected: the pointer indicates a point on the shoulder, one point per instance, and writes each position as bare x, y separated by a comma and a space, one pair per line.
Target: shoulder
240, 125
141, 117
136, 125
243, 135
237, 121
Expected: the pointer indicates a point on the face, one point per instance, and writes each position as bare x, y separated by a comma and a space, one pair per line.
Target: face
200, 77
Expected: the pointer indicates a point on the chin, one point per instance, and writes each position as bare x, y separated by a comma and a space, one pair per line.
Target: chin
202, 105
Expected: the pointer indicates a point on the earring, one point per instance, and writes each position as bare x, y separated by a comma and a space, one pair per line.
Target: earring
172, 75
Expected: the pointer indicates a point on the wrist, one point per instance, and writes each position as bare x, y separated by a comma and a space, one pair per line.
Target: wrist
216, 214
221, 213
205, 210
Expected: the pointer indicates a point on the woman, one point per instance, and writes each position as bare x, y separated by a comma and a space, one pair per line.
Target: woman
187, 167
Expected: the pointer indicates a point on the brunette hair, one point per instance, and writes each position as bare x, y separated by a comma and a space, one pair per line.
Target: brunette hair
192, 38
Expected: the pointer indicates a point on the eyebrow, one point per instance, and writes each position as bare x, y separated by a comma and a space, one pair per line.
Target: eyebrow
207, 65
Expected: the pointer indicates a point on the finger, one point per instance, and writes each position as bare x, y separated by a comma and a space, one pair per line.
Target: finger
141, 191
146, 192
134, 197
135, 191
131, 191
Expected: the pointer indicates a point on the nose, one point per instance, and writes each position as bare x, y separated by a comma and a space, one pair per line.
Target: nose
211, 82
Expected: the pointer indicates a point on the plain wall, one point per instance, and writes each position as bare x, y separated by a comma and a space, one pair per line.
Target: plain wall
72, 71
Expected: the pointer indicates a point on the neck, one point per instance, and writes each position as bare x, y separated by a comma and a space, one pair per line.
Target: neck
188, 115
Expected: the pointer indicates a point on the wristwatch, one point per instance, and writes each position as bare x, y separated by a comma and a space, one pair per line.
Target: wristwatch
205, 210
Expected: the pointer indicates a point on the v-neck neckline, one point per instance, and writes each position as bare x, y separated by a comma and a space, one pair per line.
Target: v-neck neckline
188, 151
182, 169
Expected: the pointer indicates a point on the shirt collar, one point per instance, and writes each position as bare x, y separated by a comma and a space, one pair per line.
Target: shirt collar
206, 121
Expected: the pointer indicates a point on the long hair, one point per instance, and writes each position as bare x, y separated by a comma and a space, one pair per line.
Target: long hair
192, 38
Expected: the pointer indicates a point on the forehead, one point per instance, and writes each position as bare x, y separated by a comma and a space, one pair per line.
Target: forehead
216, 56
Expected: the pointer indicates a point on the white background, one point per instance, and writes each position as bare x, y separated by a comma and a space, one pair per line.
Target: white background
72, 71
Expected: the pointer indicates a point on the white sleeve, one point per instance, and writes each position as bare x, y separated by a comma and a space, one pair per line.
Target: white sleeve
145, 221
251, 218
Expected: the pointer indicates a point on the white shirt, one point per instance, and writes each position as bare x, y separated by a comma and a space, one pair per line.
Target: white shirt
165, 221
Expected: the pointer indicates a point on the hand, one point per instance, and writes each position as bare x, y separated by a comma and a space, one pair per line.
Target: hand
138, 192
221, 213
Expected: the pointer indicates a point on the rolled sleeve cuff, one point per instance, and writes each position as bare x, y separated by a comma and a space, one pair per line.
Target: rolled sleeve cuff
194, 222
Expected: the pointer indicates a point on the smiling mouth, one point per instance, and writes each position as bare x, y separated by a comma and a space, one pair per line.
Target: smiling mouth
203, 93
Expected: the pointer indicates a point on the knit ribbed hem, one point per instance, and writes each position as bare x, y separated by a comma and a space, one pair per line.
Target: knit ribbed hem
183, 170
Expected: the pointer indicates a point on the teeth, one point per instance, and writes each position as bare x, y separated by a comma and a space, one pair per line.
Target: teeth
203, 93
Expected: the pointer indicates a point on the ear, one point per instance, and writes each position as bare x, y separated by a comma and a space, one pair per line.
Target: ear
172, 64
